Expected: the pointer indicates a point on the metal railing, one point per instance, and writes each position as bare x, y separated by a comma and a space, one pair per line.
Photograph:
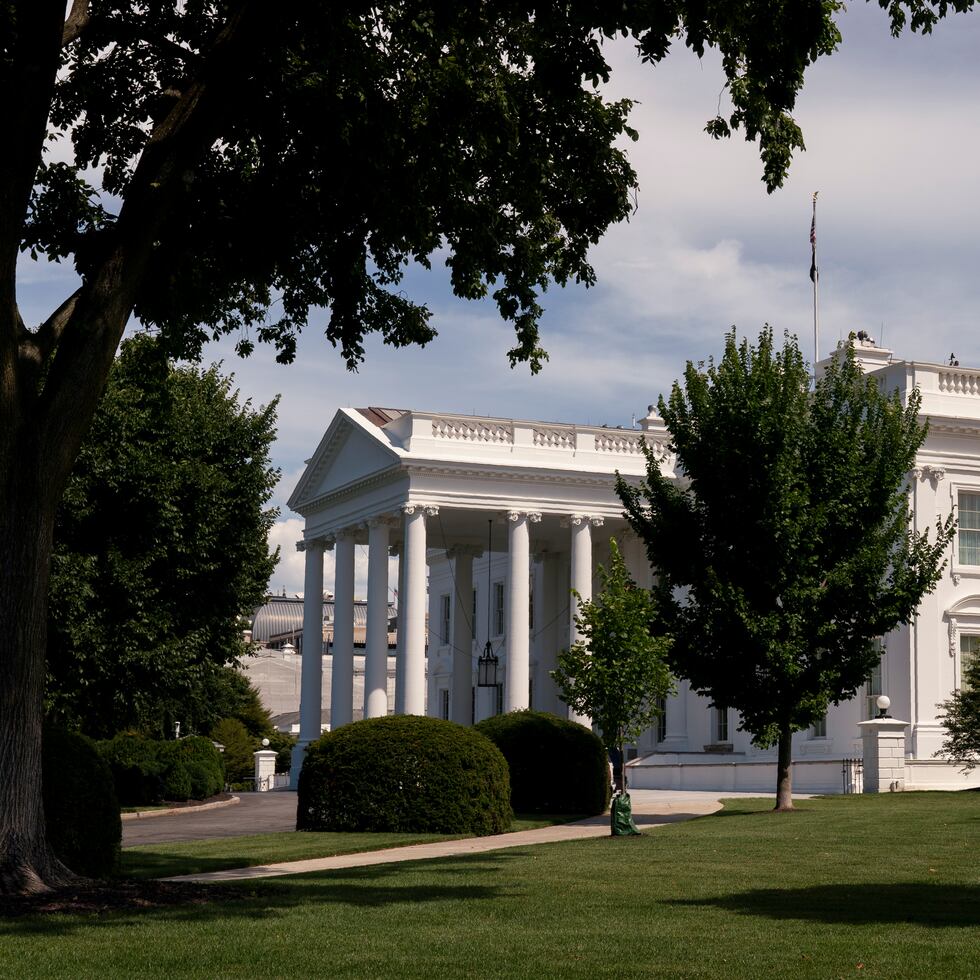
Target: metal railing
852, 775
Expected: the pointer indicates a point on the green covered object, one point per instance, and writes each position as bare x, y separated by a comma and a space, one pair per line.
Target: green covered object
621, 816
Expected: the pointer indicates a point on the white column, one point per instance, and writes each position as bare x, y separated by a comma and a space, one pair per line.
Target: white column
581, 579
342, 684
376, 643
517, 689
414, 598
400, 633
311, 677
462, 690
546, 612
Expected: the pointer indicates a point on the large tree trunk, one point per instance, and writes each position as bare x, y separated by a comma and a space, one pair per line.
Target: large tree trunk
26, 863
784, 770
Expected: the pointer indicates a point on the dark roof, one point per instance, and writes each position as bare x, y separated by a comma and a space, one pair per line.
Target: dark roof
382, 416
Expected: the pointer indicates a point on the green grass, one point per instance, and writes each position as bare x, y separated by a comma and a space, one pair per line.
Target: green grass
194, 857
884, 887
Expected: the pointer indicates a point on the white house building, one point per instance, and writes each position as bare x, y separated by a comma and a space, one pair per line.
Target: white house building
496, 521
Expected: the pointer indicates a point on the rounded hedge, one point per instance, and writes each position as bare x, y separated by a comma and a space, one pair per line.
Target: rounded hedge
556, 765
404, 773
81, 809
147, 771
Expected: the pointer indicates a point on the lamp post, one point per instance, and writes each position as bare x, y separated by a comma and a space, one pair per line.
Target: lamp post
884, 703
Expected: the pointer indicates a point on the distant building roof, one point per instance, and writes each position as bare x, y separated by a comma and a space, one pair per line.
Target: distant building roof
281, 616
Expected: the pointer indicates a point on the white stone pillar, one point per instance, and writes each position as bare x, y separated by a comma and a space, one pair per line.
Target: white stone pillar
546, 612
342, 682
376, 643
400, 632
461, 698
265, 769
884, 754
581, 581
311, 677
518, 679
414, 598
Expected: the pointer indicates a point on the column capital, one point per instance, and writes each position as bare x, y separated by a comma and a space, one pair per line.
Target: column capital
430, 510
531, 516
325, 542
577, 520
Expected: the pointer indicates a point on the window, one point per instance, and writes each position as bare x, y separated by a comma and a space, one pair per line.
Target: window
661, 719
721, 724
499, 702
445, 619
472, 705
444, 703
968, 532
819, 729
473, 620
530, 604
872, 689
969, 650
498, 608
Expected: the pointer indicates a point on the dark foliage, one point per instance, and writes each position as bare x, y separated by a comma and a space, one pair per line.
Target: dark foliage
80, 805
147, 771
238, 745
160, 547
404, 773
961, 717
556, 765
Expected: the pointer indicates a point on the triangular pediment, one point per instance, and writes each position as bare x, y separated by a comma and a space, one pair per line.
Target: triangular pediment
348, 454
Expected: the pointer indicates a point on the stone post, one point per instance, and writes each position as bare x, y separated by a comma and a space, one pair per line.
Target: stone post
265, 770
884, 754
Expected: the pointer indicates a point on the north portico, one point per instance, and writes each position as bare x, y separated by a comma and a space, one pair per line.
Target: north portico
525, 501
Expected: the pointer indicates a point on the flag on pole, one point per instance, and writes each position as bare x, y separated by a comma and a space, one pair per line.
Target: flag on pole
814, 274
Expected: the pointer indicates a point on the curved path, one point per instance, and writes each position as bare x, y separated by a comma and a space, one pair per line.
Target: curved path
651, 808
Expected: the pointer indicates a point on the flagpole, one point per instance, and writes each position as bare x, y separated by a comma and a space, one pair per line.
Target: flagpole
815, 276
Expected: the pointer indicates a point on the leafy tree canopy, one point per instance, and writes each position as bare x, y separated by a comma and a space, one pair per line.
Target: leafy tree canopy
160, 547
787, 549
617, 674
961, 716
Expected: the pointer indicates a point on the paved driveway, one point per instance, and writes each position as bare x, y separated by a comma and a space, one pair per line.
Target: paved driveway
257, 813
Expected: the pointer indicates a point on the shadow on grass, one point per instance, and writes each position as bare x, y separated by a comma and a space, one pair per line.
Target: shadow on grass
912, 902
378, 886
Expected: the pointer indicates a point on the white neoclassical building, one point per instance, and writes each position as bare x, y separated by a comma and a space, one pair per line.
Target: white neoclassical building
495, 522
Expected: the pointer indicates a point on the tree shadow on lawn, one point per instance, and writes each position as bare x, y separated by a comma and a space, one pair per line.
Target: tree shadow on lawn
912, 902
376, 886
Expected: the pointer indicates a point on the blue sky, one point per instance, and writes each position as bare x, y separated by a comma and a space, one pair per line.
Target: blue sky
892, 129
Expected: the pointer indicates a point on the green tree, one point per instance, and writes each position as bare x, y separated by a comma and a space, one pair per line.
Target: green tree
222, 166
786, 550
239, 747
161, 544
617, 675
961, 716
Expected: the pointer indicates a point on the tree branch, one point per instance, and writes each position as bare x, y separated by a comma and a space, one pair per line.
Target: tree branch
77, 20
49, 333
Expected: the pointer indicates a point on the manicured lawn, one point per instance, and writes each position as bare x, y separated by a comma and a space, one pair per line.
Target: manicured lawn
846, 887
192, 857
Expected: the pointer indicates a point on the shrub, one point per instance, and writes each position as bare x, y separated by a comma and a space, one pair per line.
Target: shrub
80, 804
198, 757
136, 768
239, 762
404, 773
556, 765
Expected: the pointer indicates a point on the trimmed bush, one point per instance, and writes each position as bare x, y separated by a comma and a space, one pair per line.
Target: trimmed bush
80, 805
404, 774
556, 765
201, 762
147, 771
136, 768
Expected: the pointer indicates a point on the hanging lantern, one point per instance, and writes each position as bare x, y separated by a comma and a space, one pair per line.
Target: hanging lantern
486, 665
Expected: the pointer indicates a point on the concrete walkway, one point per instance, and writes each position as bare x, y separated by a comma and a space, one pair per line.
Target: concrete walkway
651, 808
